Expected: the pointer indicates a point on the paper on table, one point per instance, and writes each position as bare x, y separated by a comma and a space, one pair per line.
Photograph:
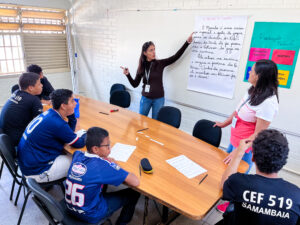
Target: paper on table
121, 152
187, 167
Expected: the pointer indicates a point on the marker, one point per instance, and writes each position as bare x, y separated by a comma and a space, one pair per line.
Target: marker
142, 129
114, 110
104, 113
203, 179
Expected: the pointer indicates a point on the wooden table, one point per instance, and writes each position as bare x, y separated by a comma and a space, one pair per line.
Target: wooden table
166, 185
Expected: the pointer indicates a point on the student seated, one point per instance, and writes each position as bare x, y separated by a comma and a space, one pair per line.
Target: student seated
47, 87
88, 173
21, 107
40, 151
263, 198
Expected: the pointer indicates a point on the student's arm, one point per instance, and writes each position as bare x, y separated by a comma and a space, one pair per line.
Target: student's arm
113, 174
72, 121
37, 107
67, 136
235, 162
80, 143
132, 180
260, 125
47, 89
227, 122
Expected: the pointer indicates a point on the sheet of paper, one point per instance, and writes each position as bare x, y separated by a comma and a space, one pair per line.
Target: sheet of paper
215, 56
186, 166
121, 152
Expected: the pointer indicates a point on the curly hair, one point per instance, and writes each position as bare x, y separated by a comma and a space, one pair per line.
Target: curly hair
34, 69
270, 151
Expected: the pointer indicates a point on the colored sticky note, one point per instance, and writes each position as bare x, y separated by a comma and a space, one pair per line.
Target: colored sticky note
285, 57
283, 76
259, 53
248, 72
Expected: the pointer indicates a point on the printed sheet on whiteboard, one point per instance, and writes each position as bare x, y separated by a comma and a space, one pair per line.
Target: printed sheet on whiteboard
216, 51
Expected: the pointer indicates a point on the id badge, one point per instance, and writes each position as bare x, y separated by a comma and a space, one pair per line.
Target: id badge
234, 120
147, 88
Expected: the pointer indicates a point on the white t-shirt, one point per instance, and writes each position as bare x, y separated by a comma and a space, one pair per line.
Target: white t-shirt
265, 110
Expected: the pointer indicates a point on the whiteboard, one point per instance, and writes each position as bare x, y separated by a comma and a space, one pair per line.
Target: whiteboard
169, 30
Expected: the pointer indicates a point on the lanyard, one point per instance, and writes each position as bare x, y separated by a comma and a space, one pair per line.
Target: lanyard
148, 74
243, 104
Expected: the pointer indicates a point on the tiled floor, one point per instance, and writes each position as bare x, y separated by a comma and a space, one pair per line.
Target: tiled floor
32, 215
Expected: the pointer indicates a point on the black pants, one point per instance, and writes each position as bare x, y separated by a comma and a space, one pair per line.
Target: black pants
127, 199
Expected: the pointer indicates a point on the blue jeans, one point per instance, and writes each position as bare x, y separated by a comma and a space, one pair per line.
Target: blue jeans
247, 156
147, 103
126, 198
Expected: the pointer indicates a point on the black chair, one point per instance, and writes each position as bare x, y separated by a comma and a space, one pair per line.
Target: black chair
9, 157
14, 88
170, 115
120, 98
56, 212
205, 131
117, 87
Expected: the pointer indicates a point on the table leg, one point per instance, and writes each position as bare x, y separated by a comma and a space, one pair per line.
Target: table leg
145, 210
165, 214
167, 217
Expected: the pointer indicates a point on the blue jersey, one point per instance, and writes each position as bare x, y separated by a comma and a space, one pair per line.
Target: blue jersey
44, 140
86, 177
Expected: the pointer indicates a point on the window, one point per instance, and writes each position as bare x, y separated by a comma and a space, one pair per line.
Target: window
30, 35
11, 54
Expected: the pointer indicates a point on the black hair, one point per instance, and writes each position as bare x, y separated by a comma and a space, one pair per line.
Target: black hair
143, 58
270, 151
95, 137
60, 96
34, 69
28, 79
267, 83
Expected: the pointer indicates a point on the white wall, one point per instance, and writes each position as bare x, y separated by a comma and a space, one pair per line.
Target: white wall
56, 4
96, 32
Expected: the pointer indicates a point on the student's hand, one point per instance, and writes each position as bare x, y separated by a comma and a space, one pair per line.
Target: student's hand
228, 159
125, 70
112, 160
219, 124
190, 38
244, 145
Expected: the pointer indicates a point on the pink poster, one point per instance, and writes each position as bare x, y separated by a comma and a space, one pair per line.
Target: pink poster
285, 57
259, 53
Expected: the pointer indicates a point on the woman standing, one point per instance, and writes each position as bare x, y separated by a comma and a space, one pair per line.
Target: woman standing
151, 70
255, 112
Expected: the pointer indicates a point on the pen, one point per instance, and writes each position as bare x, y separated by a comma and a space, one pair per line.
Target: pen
140, 170
114, 110
104, 113
203, 179
142, 129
